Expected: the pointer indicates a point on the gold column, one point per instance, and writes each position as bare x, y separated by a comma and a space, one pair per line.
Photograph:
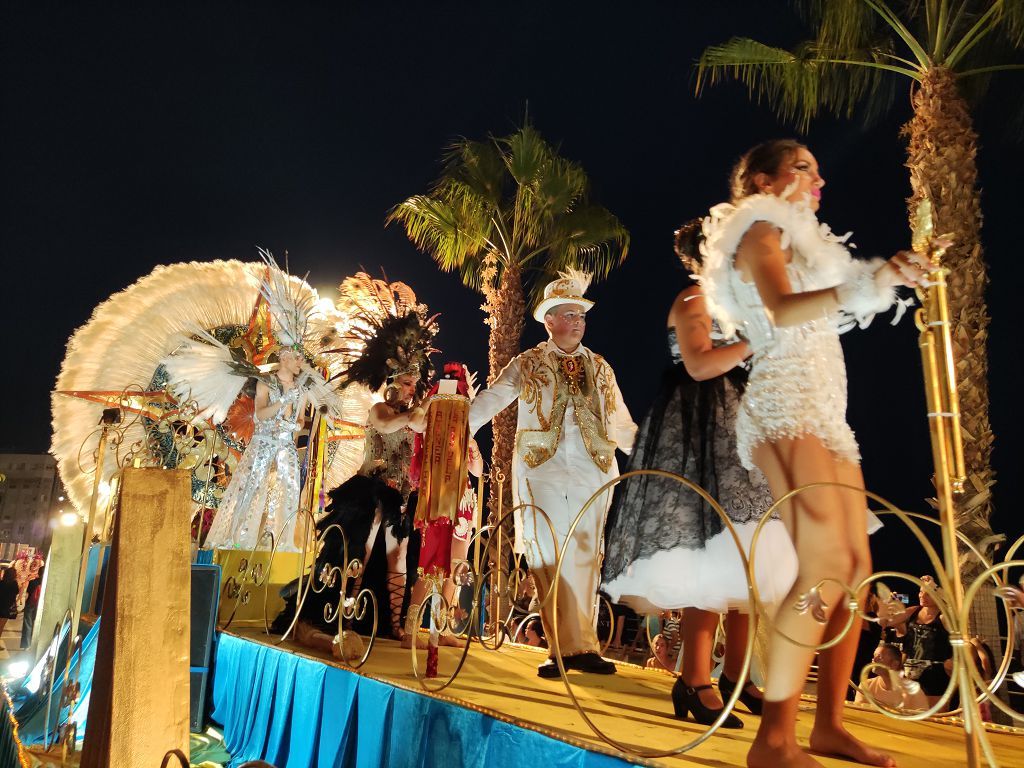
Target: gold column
140, 697
947, 450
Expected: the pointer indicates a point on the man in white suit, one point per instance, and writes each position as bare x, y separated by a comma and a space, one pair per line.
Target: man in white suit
571, 420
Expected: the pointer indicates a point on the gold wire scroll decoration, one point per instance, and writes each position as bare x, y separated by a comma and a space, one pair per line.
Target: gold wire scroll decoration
752, 603
327, 575
66, 734
443, 618
505, 581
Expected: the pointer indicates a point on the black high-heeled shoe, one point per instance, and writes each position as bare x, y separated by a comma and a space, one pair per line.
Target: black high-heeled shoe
686, 699
753, 704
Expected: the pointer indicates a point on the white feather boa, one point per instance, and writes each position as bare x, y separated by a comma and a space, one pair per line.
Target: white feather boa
823, 255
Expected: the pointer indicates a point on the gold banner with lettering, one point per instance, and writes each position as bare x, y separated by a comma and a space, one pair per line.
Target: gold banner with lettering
444, 470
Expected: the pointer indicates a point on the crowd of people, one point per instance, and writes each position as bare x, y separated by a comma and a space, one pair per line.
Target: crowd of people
20, 591
752, 406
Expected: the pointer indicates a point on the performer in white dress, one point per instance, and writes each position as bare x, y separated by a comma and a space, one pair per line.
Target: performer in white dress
571, 420
667, 548
772, 271
263, 494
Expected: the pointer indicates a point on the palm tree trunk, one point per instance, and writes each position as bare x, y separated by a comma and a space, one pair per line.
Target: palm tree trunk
507, 312
941, 152
506, 309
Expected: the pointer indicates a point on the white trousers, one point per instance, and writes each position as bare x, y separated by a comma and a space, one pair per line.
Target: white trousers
580, 575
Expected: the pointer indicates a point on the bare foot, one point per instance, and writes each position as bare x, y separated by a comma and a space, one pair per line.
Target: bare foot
840, 742
451, 641
763, 755
421, 642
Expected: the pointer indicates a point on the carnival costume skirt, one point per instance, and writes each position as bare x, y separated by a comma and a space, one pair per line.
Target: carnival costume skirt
797, 389
263, 496
666, 547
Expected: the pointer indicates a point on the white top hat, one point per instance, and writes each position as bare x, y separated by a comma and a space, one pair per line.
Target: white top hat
567, 289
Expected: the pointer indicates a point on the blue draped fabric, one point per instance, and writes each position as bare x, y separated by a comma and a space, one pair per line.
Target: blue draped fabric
30, 698
297, 713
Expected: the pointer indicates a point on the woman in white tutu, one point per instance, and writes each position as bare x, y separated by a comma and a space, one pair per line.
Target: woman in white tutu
774, 273
263, 494
666, 548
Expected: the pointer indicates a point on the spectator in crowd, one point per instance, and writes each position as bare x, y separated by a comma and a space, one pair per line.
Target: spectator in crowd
660, 658
870, 636
884, 689
533, 633
28, 617
9, 590
926, 644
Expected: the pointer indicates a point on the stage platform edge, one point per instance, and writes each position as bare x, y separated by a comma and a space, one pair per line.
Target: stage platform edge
289, 706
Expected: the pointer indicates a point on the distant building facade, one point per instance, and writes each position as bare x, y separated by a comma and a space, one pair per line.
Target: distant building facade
31, 497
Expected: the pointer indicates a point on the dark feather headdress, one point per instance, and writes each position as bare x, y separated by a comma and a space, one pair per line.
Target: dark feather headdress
390, 333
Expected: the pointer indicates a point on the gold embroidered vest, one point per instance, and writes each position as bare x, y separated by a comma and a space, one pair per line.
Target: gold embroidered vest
570, 378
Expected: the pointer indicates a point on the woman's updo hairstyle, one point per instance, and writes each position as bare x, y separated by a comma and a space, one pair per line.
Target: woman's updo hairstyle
687, 245
766, 158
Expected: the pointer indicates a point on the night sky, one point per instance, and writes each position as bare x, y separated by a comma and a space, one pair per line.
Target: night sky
146, 134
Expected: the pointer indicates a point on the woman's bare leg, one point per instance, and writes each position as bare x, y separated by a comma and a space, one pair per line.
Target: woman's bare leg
698, 642
817, 521
737, 627
835, 665
396, 552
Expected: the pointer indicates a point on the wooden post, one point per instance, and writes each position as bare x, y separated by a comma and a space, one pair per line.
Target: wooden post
140, 695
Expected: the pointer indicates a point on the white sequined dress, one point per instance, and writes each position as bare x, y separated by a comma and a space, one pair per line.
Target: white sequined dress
797, 383
263, 494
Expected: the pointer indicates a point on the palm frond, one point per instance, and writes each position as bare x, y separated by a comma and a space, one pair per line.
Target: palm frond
840, 24
559, 188
801, 83
479, 166
589, 238
451, 230
526, 155
1012, 22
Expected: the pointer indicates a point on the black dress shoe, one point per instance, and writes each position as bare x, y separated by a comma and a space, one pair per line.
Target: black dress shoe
750, 701
549, 669
686, 699
589, 662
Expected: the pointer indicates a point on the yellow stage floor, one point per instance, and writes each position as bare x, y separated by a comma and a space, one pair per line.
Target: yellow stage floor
633, 707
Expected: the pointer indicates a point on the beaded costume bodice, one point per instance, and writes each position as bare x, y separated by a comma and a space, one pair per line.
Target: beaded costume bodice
388, 455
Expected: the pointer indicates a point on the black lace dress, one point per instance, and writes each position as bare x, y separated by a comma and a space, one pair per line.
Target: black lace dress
665, 547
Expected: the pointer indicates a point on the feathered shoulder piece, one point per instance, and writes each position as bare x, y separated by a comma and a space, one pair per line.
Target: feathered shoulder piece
820, 254
389, 334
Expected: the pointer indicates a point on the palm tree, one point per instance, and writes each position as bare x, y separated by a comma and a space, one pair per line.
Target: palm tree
507, 214
947, 51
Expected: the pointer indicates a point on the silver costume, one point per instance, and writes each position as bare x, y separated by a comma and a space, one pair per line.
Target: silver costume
263, 494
